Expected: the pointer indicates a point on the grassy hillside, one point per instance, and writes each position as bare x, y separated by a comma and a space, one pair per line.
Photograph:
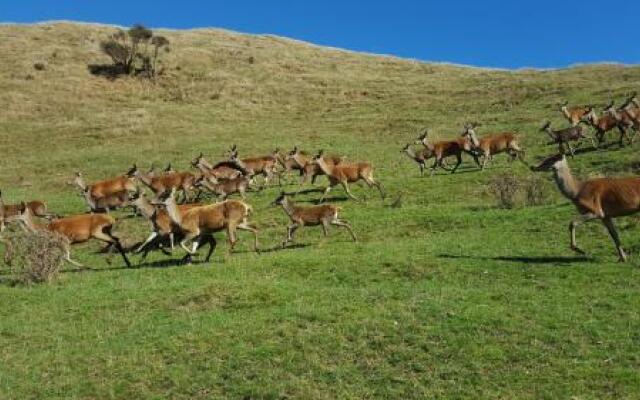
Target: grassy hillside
445, 297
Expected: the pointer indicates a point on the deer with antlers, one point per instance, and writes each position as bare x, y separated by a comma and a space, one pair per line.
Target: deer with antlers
325, 215
490, 145
75, 229
604, 124
345, 173
573, 114
201, 222
161, 184
447, 148
564, 137
627, 116
602, 198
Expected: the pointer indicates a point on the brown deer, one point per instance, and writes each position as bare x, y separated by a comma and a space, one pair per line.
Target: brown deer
38, 208
75, 229
447, 148
264, 166
490, 145
225, 187
573, 114
222, 170
308, 168
287, 165
162, 226
107, 203
564, 137
200, 222
161, 184
604, 124
345, 173
603, 198
106, 188
627, 116
325, 215
420, 157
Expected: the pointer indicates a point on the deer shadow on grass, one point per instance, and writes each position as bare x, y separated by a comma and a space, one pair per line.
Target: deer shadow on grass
524, 259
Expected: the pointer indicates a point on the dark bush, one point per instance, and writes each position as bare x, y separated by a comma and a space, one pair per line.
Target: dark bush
39, 66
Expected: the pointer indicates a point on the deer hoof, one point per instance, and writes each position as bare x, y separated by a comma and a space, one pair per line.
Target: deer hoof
578, 250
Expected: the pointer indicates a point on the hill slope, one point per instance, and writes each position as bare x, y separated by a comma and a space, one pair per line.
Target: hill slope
447, 296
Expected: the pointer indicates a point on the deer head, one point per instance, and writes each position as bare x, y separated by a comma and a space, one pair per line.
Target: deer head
554, 162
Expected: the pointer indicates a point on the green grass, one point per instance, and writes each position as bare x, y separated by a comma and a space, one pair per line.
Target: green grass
445, 297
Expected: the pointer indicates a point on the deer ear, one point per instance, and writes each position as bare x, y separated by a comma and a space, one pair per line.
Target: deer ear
23, 207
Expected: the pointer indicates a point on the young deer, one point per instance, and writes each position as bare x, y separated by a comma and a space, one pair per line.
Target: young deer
490, 145
183, 181
264, 166
420, 157
76, 229
105, 188
564, 137
447, 148
345, 173
307, 168
162, 226
225, 187
603, 198
222, 170
604, 124
201, 222
325, 215
573, 114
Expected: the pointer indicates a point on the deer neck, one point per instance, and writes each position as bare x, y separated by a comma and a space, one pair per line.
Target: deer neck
565, 111
144, 178
90, 200
172, 211
412, 154
288, 207
567, 184
299, 159
474, 138
80, 182
550, 133
324, 166
27, 219
143, 205
427, 144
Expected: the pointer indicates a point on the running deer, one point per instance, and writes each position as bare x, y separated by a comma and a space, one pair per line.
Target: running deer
307, 168
602, 198
447, 148
325, 215
287, 165
76, 229
162, 227
222, 170
604, 124
264, 166
564, 137
627, 116
201, 222
490, 145
161, 184
38, 208
573, 114
105, 188
420, 157
225, 187
345, 173
107, 203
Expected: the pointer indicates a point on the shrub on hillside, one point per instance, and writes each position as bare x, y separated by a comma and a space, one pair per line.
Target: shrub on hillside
34, 257
535, 190
504, 188
134, 52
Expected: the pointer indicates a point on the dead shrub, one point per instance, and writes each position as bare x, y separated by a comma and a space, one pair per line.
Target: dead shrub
504, 188
34, 257
535, 191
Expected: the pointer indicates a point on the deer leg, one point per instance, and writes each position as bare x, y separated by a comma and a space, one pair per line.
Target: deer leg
436, 163
421, 165
231, 237
246, 226
212, 245
67, 257
345, 224
572, 230
345, 185
613, 232
326, 192
106, 236
459, 161
325, 227
146, 242
291, 229
623, 133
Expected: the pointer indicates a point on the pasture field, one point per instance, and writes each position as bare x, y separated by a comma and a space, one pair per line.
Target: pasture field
446, 296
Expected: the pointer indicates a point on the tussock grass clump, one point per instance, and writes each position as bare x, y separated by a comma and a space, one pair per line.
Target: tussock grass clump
510, 191
536, 191
504, 188
34, 257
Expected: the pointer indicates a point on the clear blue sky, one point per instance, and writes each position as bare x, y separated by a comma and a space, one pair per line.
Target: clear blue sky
508, 34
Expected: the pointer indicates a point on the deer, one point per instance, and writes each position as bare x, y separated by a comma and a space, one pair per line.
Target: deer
105, 188
38, 208
222, 170
264, 166
325, 215
573, 114
225, 187
627, 116
564, 137
183, 181
420, 157
162, 226
75, 229
604, 124
287, 165
447, 148
309, 169
201, 222
602, 198
490, 145
345, 173
110, 202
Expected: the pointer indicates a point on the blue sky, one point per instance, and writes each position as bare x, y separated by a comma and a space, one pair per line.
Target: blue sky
507, 34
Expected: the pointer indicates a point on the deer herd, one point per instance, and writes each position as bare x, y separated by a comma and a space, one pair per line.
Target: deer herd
175, 211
